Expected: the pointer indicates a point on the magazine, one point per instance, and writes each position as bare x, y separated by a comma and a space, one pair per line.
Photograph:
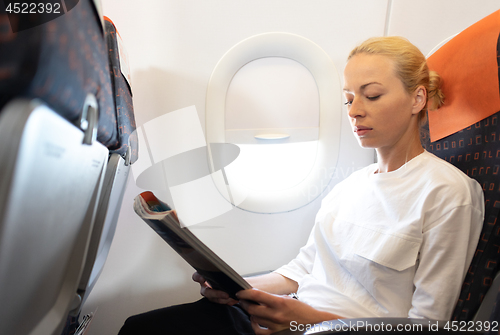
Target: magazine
159, 216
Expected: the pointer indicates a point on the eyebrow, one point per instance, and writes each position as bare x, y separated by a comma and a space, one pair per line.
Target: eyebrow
363, 86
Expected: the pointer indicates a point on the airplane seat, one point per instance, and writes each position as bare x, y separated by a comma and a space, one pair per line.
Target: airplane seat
115, 178
464, 132
65, 156
495, 314
49, 178
474, 150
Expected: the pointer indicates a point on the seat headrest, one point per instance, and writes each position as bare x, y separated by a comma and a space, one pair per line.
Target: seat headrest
469, 67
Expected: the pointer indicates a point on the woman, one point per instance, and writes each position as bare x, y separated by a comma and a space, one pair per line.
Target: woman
393, 239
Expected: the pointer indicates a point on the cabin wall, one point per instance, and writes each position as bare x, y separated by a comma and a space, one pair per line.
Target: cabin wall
173, 46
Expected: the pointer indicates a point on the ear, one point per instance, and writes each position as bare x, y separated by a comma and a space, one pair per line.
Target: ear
419, 99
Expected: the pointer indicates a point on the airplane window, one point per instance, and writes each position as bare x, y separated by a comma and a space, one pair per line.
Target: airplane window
272, 92
276, 96
272, 114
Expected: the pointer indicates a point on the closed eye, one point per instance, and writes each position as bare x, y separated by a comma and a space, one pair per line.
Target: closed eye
374, 97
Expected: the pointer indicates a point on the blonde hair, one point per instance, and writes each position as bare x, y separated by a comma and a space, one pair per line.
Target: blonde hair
411, 67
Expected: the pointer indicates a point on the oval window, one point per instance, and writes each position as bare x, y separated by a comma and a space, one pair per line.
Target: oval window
272, 114
277, 96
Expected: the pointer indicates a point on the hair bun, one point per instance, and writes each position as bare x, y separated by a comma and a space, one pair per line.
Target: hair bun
435, 96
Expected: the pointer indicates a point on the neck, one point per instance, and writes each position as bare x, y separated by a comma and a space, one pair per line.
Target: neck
393, 158
388, 164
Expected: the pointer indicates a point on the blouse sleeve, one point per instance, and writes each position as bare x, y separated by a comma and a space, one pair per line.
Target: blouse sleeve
302, 264
447, 249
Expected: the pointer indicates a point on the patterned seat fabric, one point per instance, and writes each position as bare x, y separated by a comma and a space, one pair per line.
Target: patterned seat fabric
59, 62
476, 151
122, 95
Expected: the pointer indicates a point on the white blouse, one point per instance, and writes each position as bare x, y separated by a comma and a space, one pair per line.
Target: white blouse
392, 244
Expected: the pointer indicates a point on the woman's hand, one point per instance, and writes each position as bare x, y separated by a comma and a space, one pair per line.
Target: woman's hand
276, 312
219, 297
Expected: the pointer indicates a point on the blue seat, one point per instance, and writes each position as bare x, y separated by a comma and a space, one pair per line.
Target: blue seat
66, 128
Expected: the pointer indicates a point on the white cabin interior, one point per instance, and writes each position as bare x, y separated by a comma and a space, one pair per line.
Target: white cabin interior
173, 47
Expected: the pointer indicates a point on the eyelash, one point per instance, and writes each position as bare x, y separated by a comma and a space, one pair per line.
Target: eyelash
348, 103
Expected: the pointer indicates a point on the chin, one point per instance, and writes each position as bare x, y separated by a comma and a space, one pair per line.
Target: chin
366, 144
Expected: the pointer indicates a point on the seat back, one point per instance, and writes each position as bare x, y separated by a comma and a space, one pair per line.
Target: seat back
60, 62
466, 133
495, 314
476, 151
108, 208
120, 159
49, 177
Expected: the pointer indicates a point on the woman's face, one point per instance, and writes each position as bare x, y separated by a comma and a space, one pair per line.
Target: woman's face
382, 114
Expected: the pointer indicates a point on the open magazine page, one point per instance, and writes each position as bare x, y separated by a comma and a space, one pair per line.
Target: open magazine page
163, 220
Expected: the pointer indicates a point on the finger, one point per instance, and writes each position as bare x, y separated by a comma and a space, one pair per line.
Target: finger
198, 278
214, 294
258, 329
256, 310
217, 296
232, 302
229, 301
257, 296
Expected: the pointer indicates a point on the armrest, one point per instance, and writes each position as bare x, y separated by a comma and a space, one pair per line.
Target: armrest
385, 325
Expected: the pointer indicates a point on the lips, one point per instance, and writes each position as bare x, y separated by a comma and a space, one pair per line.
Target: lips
362, 130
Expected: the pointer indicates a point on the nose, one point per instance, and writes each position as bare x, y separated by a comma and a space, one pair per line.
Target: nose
355, 109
